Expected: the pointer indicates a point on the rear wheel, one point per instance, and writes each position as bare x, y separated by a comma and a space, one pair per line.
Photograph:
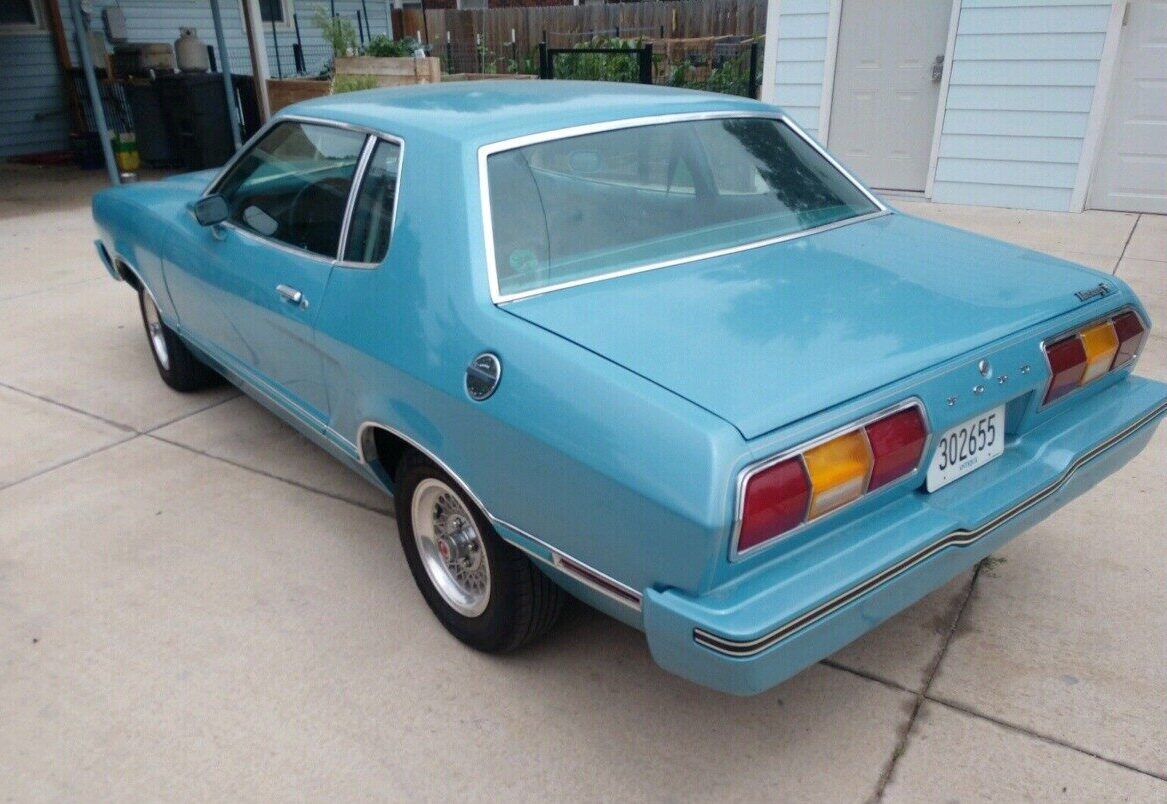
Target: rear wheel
484, 591
177, 365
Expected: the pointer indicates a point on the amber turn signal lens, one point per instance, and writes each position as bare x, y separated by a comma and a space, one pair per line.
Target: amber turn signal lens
1100, 344
838, 471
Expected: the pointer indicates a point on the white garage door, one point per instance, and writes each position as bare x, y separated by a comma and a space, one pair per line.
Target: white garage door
1131, 174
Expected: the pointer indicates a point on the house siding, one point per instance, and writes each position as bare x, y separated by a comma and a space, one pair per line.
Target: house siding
33, 114
801, 60
1019, 98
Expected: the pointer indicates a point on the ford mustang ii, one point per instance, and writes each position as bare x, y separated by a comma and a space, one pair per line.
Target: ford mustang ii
651, 347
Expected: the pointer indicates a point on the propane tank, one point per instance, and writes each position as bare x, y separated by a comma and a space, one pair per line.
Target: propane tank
191, 52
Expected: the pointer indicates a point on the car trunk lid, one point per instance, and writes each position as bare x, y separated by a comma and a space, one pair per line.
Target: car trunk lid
767, 336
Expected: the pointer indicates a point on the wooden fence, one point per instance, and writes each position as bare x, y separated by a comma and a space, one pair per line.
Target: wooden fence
564, 26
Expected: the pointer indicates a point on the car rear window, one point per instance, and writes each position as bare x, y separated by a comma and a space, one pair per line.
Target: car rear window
580, 208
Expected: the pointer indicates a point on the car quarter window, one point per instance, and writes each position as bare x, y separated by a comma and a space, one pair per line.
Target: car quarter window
372, 217
293, 185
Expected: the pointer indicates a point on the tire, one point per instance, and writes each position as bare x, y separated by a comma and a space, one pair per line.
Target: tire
177, 365
518, 604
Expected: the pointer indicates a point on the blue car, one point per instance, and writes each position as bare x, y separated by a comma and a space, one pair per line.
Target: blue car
653, 348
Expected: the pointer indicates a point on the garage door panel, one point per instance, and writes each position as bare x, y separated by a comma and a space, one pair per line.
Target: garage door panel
1131, 172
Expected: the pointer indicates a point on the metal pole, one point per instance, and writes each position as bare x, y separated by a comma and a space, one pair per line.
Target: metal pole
275, 43
753, 70
94, 95
225, 63
425, 23
368, 30
360, 30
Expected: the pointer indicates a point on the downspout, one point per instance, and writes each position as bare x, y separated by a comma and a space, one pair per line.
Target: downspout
225, 66
82, 33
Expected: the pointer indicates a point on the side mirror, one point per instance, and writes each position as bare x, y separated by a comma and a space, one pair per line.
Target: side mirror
210, 210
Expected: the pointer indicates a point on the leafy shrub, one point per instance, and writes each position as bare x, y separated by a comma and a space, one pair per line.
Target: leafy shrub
337, 32
353, 83
382, 45
600, 66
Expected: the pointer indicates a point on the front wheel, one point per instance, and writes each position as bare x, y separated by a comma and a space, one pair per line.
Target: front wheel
484, 591
177, 365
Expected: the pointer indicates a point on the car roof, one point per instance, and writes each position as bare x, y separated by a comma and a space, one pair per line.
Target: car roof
482, 112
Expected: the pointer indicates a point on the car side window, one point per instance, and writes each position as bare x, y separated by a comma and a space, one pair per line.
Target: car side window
372, 220
293, 186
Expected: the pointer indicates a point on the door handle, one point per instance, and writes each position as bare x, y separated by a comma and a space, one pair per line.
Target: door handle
291, 295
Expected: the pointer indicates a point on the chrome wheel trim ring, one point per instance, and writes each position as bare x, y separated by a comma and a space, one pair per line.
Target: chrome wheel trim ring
450, 547
155, 332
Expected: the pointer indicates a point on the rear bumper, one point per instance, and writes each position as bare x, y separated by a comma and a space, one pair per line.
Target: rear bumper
763, 628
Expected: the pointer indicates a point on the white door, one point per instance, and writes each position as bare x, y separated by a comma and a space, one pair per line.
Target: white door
883, 106
1131, 172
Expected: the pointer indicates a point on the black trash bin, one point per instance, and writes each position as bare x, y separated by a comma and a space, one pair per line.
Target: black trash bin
156, 140
195, 110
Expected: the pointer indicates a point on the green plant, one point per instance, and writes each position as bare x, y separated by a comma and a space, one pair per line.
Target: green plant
353, 83
601, 66
337, 31
383, 46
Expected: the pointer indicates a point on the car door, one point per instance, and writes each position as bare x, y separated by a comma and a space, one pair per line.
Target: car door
256, 281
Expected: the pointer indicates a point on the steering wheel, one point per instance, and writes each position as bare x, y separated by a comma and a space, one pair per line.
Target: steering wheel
315, 205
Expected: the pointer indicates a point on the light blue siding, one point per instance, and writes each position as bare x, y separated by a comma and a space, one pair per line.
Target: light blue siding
160, 20
800, 58
33, 114
1020, 94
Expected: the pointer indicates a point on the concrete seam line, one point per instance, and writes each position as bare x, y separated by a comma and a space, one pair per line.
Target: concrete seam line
902, 744
186, 416
49, 400
389, 513
1125, 245
62, 464
1046, 738
1005, 724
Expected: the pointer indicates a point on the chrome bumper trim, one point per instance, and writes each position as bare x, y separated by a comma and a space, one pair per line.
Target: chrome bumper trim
956, 538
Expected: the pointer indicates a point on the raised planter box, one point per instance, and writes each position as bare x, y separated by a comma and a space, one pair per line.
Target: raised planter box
283, 92
390, 71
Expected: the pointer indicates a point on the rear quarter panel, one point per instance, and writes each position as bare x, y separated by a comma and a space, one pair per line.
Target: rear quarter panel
576, 451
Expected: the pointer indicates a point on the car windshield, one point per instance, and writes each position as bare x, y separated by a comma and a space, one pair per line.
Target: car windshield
584, 207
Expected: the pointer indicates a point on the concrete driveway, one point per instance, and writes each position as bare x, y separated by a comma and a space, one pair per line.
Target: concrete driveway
197, 604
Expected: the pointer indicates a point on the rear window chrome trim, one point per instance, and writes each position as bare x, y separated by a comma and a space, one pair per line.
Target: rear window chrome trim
486, 151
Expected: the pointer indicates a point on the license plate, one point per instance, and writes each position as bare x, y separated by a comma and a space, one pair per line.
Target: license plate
966, 447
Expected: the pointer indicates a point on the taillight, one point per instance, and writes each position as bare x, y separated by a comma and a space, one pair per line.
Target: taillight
1131, 334
775, 502
1067, 361
831, 473
897, 441
1088, 354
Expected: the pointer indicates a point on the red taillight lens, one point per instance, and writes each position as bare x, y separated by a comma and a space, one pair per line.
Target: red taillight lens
1131, 334
1067, 360
776, 500
896, 443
